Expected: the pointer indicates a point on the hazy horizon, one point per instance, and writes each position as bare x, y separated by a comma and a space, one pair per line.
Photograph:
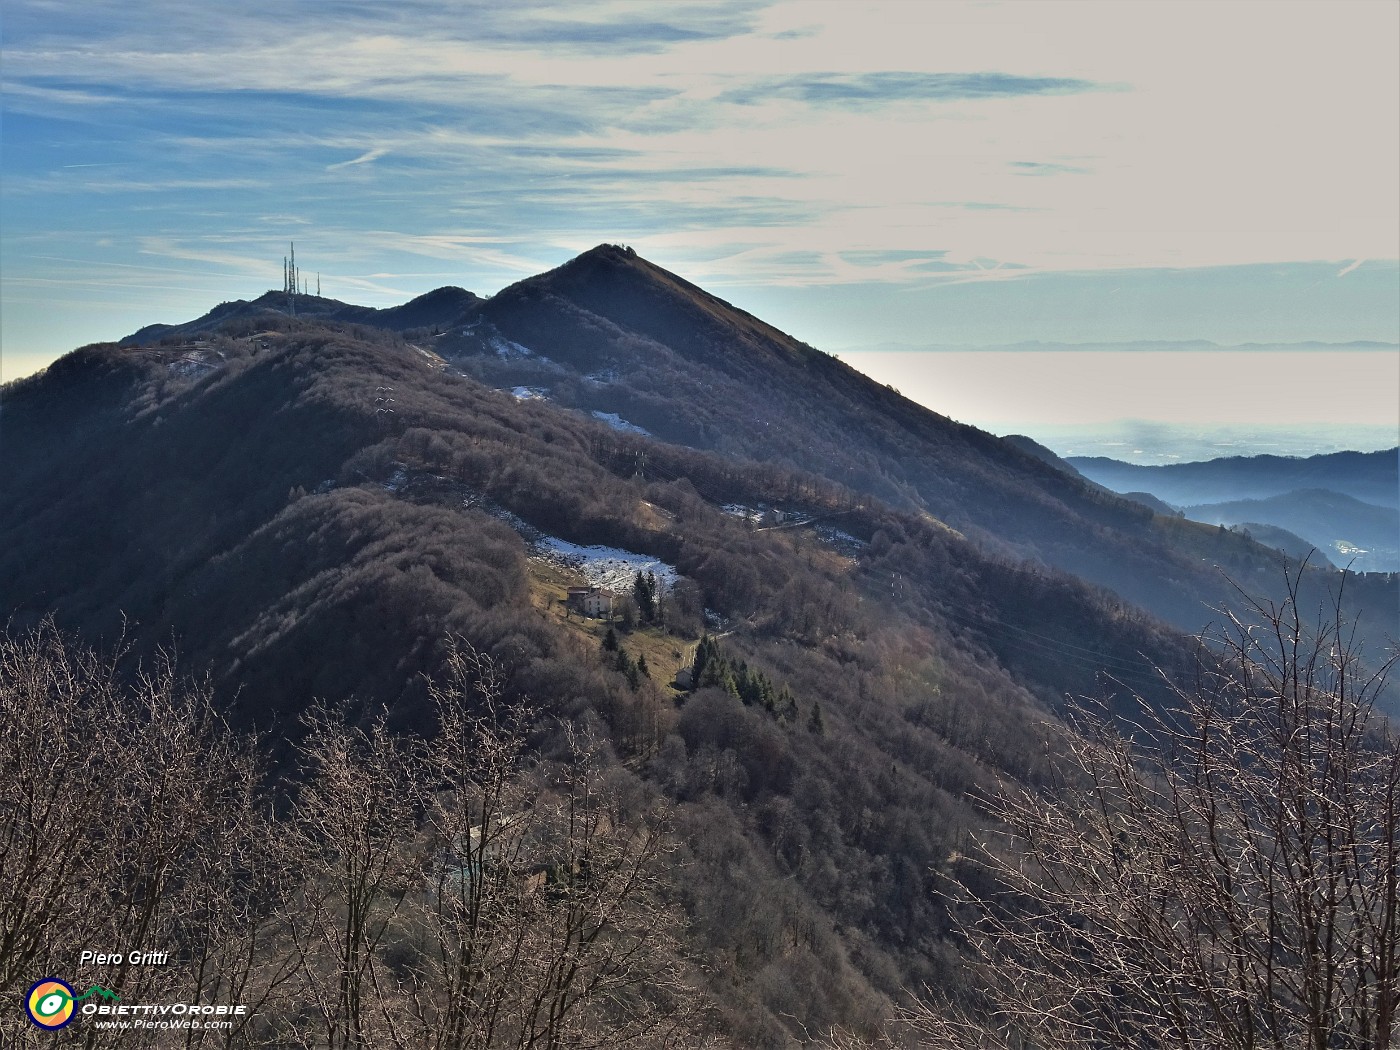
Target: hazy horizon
1147, 442
1067, 391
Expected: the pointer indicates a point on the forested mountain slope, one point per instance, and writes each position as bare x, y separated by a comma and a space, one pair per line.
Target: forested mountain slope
306, 509
611, 333
264, 516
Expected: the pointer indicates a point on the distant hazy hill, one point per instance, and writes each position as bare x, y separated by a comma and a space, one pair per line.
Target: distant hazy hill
1292, 545
1045, 455
1345, 504
1345, 529
1372, 477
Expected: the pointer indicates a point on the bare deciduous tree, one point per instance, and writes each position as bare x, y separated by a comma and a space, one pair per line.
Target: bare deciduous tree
447, 893
458, 893
1229, 880
128, 820
351, 841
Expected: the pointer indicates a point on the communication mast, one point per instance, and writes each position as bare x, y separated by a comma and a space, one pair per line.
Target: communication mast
290, 279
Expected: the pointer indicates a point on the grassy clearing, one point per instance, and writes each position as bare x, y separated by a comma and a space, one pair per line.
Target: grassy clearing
665, 653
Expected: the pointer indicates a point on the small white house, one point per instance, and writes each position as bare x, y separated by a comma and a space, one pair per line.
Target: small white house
595, 602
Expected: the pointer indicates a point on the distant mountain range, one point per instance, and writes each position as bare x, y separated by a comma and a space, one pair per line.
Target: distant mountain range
1372, 477
1346, 530
1345, 504
1032, 346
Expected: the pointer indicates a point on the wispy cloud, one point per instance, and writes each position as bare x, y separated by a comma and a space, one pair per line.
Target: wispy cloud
35, 97
870, 89
892, 147
1038, 167
624, 28
364, 158
216, 254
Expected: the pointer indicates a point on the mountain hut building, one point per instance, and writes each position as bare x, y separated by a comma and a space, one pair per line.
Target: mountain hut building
595, 602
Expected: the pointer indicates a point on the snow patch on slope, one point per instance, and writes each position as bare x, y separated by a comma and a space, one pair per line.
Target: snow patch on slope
615, 421
190, 367
506, 348
843, 542
610, 567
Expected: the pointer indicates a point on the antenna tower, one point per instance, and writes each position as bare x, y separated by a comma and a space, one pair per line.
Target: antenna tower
290, 280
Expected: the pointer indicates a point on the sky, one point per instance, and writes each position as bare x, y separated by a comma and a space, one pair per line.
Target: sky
875, 178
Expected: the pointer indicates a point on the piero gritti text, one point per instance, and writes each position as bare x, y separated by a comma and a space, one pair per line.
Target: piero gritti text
136, 958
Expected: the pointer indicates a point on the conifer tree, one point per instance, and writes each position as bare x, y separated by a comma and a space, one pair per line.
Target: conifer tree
705, 654
644, 592
627, 667
786, 705
725, 678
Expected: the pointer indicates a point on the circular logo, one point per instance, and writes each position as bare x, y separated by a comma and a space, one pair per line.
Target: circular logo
50, 1003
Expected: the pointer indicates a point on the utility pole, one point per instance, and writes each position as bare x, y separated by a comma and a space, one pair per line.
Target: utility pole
382, 401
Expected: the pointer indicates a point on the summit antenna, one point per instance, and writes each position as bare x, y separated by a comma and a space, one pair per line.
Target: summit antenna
291, 279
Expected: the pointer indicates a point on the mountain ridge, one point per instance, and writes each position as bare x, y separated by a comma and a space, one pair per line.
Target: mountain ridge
441, 306
311, 509
640, 320
1371, 477
613, 334
1347, 529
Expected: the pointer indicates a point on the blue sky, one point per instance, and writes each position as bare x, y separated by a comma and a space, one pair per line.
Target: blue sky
861, 175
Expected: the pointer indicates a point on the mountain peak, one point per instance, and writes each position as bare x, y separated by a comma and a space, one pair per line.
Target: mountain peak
612, 261
609, 251
612, 282
604, 261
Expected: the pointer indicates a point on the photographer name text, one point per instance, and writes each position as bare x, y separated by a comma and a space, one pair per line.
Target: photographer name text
139, 958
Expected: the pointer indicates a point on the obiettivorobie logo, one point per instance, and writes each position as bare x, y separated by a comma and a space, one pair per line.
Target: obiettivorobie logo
51, 1003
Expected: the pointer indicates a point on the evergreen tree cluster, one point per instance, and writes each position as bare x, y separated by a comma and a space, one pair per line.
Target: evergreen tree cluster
754, 688
646, 593
633, 670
